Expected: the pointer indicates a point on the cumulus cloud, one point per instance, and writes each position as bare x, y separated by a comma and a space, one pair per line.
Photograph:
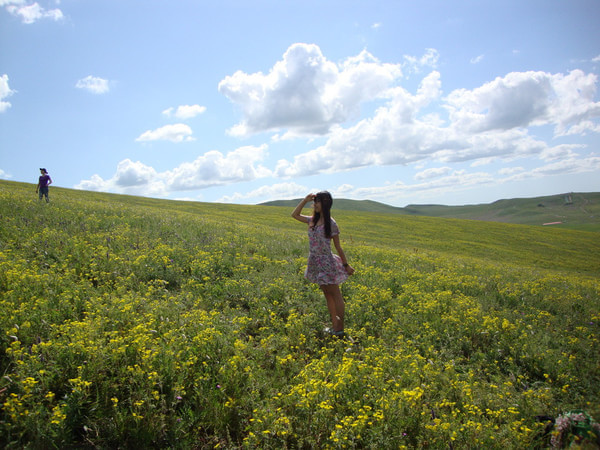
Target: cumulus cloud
489, 122
131, 173
5, 91
95, 85
305, 93
185, 111
131, 177
393, 135
30, 12
517, 100
522, 99
4, 175
211, 169
178, 132
214, 168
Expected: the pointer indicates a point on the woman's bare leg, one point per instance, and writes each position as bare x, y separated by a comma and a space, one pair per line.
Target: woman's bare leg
335, 304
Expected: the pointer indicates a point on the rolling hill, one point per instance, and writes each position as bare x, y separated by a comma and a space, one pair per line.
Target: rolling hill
575, 210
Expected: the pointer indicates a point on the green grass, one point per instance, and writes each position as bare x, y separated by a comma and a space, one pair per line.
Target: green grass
136, 322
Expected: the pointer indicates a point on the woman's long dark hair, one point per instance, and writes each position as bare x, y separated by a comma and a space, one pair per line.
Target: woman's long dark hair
326, 201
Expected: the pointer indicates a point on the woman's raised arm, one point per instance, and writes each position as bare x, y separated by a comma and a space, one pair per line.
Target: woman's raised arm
297, 213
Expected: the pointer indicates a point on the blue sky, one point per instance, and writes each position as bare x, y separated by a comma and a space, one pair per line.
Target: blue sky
402, 102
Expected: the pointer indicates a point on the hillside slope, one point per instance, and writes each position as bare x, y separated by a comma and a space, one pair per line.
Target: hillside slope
537, 247
576, 210
131, 322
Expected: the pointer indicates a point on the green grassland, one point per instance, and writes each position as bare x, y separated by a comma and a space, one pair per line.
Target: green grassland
136, 322
580, 211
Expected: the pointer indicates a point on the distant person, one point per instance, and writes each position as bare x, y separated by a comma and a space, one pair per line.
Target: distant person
43, 183
323, 267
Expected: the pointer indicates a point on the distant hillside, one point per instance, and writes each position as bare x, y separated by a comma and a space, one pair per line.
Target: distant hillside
576, 210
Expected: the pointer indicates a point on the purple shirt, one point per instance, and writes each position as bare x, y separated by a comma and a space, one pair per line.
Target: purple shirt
44, 179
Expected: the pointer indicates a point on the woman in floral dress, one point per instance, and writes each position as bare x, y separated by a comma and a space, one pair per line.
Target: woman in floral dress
325, 268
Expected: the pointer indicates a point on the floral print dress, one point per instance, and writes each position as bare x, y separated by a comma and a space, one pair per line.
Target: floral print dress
323, 266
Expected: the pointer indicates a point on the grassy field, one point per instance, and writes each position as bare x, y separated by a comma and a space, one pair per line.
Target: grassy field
135, 322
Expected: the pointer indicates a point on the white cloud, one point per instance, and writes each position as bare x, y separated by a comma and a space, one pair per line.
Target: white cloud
185, 111
95, 85
131, 177
571, 165
278, 191
178, 132
344, 188
517, 100
452, 182
560, 152
522, 99
567, 166
283, 191
596, 59
477, 59
5, 91
4, 175
511, 170
306, 94
481, 148
484, 161
211, 169
131, 173
573, 102
95, 183
583, 127
485, 124
432, 173
393, 135
30, 12
429, 60
432, 183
